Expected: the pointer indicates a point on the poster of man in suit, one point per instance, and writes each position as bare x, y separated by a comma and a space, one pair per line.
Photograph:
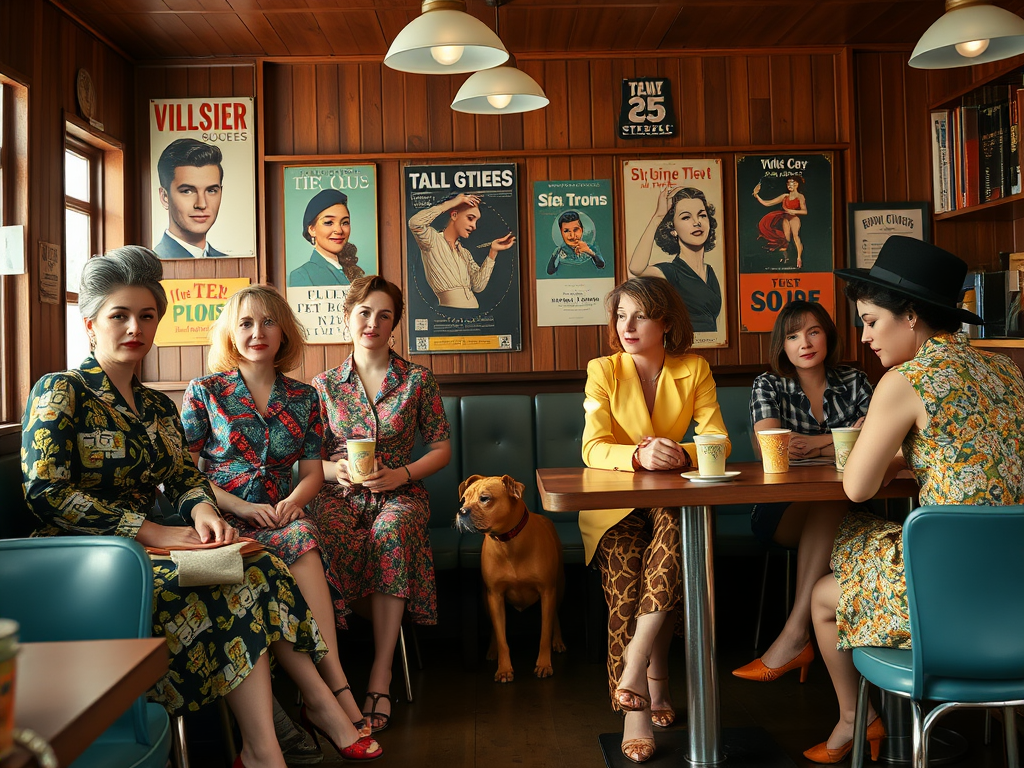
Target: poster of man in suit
202, 166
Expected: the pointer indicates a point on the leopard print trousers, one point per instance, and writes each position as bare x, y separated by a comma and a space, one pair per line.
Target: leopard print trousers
640, 563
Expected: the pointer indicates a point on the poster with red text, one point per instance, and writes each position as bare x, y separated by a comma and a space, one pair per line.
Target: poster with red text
784, 217
675, 230
202, 167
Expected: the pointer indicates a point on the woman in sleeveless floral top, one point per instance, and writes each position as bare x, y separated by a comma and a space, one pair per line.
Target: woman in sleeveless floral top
945, 410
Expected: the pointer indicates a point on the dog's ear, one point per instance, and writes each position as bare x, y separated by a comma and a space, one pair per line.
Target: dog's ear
468, 482
513, 487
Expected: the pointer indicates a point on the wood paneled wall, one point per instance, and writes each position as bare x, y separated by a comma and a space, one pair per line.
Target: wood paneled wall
44, 49
324, 111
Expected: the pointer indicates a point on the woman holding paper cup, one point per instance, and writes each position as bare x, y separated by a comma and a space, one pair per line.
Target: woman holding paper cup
949, 412
96, 445
808, 394
640, 403
247, 424
372, 512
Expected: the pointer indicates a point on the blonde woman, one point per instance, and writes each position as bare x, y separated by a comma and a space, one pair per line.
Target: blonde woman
247, 424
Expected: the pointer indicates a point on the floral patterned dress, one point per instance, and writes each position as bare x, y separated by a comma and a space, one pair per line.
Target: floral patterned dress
250, 455
93, 466
378, 542
971, 452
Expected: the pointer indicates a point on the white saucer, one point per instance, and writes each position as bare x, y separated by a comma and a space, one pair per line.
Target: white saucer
697, 477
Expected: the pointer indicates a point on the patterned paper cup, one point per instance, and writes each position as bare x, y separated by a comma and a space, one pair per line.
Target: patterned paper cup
710, 454
843, 439
360, 458
775, 449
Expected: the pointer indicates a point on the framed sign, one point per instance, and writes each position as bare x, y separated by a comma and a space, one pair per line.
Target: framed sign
647, 108
871, 224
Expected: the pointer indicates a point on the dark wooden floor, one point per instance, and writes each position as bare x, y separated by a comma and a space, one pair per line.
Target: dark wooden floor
460, 718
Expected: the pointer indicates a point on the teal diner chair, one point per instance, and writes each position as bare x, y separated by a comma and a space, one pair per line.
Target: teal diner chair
89, 588
965, 587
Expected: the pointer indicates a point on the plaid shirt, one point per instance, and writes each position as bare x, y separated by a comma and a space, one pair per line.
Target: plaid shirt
847, 393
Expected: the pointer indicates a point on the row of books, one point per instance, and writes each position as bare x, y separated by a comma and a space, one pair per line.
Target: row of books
976, 148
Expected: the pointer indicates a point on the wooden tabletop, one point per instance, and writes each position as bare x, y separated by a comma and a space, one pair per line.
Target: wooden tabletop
71, 692
568, 490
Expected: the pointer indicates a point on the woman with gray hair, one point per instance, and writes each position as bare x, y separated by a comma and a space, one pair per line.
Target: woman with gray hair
96, 444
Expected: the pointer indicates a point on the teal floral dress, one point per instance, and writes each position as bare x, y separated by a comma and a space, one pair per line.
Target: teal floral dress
378, 542
971, 452
92, 466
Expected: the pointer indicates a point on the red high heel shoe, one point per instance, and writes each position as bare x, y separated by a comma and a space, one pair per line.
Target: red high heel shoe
820, 753
357, 750
756, 670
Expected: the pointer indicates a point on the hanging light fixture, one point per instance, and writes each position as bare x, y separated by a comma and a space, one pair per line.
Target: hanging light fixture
969, 32
499, 91
443, 40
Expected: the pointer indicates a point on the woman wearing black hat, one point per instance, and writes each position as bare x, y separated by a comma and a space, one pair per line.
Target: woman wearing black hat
327, 225
947, 411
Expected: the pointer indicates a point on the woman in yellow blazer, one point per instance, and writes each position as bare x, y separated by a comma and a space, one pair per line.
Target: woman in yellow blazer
640, 403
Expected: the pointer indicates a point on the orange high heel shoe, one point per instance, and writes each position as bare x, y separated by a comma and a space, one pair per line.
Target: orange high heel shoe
757, 671
820, 753
663, 718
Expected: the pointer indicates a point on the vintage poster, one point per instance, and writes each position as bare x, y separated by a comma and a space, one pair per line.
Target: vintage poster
574, 250
784, 222
871, 224
330, 239
675, 230
192, 306
202, 167
463, 258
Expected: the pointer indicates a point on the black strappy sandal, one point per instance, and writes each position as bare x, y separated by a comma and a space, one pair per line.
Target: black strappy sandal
359, 724
373, 714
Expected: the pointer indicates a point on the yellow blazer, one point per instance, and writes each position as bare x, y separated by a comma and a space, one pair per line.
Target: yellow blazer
617, 420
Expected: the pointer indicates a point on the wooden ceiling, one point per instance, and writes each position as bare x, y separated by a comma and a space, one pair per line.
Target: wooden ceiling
148, 30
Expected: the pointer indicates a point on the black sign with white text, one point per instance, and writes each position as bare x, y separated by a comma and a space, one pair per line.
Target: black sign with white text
647, 108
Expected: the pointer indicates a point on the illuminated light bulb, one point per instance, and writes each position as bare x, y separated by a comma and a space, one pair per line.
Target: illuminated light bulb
500, 101
447, 55
972, 48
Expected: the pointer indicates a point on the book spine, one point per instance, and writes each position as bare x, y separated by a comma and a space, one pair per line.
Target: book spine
972, 156
940, 161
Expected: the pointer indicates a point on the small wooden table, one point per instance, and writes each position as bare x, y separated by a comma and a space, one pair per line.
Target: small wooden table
568, 490
71, 692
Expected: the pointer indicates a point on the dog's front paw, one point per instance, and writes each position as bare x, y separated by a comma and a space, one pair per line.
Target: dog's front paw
504, 675
542, 670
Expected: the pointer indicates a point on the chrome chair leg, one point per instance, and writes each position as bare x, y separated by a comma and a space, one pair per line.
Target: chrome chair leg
760, 605
179, 747
860, 725
405, 664
1010, 727
988, 727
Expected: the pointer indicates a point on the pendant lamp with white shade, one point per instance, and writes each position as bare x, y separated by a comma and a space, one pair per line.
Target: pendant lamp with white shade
969, 32
444, 39
499, 91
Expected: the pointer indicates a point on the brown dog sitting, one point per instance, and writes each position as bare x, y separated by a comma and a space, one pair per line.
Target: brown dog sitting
521, 561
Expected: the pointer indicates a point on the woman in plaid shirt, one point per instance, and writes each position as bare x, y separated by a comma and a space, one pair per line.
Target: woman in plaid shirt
809, 394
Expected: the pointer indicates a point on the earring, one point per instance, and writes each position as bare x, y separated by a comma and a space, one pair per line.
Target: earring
664, 340
92, 341
913, 322
391, 343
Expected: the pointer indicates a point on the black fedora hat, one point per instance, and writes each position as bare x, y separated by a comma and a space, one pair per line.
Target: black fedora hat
920, 271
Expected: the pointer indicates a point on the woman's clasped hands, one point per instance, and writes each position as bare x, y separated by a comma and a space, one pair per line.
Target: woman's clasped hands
382, 479
656, 453
269, 515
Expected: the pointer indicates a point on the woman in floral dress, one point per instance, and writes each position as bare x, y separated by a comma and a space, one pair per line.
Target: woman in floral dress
96, 445
375, 533
955, 411
249, 424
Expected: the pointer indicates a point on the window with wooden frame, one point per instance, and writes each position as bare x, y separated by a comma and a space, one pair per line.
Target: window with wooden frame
83, 232
14, 352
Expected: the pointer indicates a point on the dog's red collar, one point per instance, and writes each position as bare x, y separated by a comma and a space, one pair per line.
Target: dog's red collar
509, 535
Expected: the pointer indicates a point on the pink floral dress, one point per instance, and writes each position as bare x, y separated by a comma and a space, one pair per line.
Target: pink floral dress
971, 452
378, 542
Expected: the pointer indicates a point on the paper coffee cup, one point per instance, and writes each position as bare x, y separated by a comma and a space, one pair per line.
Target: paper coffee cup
360, 458
710, 454
775, 449
843, 439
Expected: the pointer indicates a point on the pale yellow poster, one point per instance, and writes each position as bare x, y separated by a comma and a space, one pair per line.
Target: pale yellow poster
192, 306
